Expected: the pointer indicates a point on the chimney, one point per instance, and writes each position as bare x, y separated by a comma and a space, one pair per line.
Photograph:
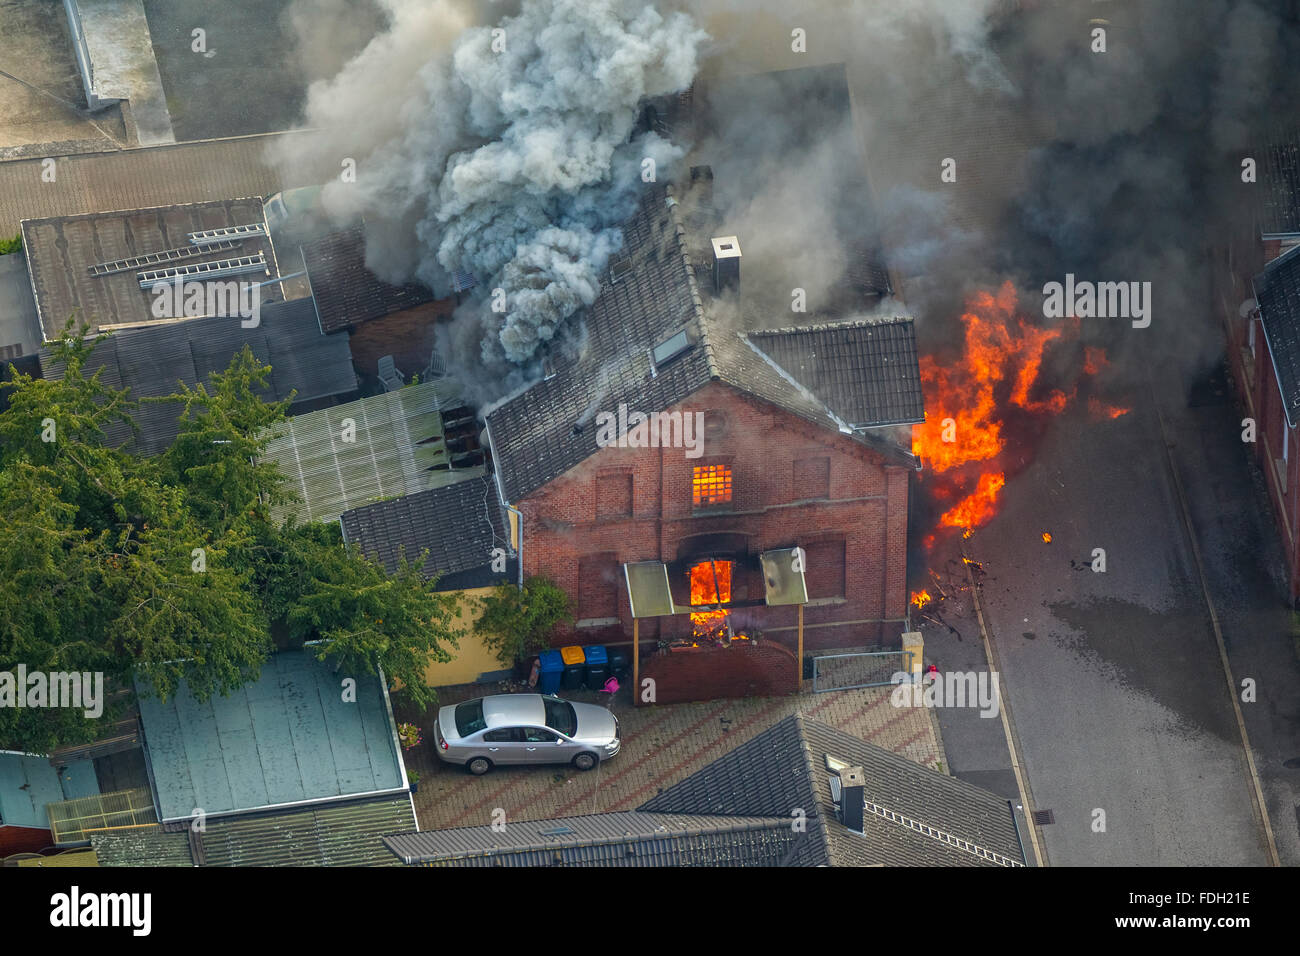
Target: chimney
726, 264
852, 780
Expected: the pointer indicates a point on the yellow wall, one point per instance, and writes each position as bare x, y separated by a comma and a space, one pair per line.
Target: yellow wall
472, 659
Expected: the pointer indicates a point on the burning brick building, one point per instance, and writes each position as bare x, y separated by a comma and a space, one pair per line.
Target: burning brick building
804, 443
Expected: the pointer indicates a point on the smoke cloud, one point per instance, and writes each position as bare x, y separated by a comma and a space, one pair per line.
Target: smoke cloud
503, 148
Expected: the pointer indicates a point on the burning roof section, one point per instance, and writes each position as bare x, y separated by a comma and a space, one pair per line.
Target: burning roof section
346, 291
1277, 289
93, 264
152, 359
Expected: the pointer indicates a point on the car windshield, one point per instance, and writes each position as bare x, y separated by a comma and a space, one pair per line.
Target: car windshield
561, 716
469, 717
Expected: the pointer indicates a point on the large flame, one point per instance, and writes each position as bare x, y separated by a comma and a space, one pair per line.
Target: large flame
706, 588
967, 401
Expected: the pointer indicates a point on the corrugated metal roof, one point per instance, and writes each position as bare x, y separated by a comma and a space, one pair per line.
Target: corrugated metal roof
397, 449
286, 738
141, 846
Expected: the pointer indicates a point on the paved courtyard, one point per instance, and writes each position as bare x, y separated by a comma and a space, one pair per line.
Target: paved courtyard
661, 746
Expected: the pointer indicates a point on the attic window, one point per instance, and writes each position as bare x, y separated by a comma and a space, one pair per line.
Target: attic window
619, 269
835, 765
670, 348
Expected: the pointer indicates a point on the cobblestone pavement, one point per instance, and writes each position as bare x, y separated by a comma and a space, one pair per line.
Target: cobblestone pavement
662, 745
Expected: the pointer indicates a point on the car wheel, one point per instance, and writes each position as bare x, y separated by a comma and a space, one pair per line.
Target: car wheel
479, 766
585, 761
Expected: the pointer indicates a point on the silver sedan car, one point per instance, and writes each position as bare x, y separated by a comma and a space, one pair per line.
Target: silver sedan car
512, 729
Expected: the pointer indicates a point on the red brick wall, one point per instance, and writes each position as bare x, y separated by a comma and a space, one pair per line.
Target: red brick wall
709, 673
24, 840
867, 510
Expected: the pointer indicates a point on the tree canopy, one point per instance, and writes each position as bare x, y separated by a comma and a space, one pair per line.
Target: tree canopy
172, 567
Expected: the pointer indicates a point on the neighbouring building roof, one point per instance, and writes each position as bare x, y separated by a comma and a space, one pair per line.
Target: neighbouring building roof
740, 809
62, 254
659, 286
867, 371
151, 360
398, 448
628, 839
1278, 187
347, 833
28, 782
785, 768
20, 332
459, 525
346, 291
1277, 290
287, 738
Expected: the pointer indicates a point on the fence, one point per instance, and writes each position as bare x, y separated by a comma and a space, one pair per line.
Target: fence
851, 671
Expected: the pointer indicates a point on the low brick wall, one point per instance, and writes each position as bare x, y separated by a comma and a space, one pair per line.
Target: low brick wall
765, 669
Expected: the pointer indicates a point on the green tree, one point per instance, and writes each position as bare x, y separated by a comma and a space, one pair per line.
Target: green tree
517, 622
173, 569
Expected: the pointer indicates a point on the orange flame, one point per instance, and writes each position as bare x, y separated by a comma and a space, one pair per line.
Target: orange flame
967, 400
921, 598
1047, 537
706, 590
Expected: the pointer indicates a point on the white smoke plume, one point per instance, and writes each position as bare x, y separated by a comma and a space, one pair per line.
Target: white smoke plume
502, 146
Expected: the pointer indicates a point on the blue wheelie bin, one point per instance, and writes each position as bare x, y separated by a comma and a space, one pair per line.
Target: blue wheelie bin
597, 666
552, 669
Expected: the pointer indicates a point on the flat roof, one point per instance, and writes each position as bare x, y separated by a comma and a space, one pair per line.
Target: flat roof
29, 781
288, 738
60, 252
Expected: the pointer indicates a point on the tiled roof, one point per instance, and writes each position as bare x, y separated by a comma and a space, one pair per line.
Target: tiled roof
626, 839
347, 293
150, 360
665, 288
1279, 186
347, 833
784, 769
459, 525
60, 252
1277, 290
867, 371
288, 737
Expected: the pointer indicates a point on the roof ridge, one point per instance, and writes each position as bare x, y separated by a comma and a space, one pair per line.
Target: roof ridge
866, 322
679, 233
788, 376
805, 747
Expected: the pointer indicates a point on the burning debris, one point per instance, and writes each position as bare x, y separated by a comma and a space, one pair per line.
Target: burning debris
969, 402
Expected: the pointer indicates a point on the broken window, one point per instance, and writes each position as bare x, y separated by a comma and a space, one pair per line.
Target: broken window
711, 485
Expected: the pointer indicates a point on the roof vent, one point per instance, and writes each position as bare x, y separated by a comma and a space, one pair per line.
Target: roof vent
620, 269
726, 263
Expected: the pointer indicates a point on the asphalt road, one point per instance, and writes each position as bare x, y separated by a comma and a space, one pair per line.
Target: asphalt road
1125, 725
